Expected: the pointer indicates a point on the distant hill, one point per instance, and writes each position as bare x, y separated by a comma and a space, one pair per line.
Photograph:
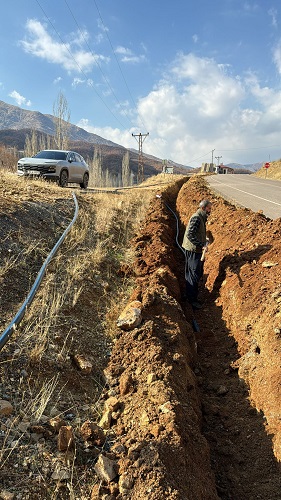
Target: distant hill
16, 123
273, 172
15, 118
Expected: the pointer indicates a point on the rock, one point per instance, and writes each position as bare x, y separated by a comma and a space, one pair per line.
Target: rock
112, 403
131, 316
126, 383
144, 419
83, 364
105, 420
106, 468
166, 407
126, 483
222, 390
65, 438
151, 377
56, 423
5, 408
268, 263
90, 431
60, 475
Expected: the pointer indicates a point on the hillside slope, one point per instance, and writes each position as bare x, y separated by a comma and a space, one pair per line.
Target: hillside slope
13, 117
273, 172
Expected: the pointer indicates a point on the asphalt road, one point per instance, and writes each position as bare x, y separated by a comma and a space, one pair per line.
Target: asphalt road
249, 191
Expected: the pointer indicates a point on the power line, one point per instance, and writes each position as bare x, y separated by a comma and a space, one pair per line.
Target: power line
78, 66
118, 64
97, 62
248, 149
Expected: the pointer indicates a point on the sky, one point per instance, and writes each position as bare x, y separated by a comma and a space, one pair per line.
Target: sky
196, 80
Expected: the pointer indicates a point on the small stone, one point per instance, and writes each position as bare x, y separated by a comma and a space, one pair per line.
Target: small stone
144, 419
90, 431
126, 483
151, 377
5, 408
126, 383
222, 390
83, 364
268, 263
56, 423
105, 420
106, 468
112, 403
65, 438
131, 316
60, 475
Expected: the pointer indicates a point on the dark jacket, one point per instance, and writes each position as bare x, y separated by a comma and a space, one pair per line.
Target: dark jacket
195, 234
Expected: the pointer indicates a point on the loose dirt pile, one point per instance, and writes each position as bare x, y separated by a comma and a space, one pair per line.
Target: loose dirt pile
186, 414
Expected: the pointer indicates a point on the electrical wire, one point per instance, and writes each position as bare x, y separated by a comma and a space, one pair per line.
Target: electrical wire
118, 64
97, 63
79, 67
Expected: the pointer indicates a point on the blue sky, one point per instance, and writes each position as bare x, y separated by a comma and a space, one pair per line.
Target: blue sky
198, 75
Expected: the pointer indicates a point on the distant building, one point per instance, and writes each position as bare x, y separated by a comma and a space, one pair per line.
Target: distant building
217, 169
223, 169
166, 168
208, 167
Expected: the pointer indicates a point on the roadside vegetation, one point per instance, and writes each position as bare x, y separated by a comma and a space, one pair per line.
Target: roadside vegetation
67, 328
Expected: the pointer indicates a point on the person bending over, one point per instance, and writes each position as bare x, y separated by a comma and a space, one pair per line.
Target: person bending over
194, 242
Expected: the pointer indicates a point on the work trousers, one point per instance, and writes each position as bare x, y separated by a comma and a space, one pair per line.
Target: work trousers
193, 274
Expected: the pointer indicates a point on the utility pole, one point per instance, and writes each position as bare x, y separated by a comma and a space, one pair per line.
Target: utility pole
218, 158
141, 139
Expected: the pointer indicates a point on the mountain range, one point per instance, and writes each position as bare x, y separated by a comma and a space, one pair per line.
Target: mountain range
16, 123
15, 118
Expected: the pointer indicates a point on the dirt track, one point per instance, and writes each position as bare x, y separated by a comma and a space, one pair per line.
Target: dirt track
194, 415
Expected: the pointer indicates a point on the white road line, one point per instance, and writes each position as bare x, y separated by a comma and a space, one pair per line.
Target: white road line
246, 192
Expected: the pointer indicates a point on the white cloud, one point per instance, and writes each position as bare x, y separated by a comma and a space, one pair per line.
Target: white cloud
277, 56
127, 56
273, 14
79, 81
20, 100
39, 43
57, 80
201, 106
116, 135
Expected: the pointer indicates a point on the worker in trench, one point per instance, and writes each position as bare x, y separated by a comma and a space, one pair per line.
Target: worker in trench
195, 244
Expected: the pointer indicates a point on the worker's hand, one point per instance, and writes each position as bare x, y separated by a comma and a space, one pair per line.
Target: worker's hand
210, 237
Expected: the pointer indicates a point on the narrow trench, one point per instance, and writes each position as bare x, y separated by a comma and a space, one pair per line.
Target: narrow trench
241, 452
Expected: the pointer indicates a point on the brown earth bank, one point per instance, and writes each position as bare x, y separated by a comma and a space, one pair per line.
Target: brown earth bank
220, 385
191, 405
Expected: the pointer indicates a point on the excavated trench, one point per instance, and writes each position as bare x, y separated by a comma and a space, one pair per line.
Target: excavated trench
196, 414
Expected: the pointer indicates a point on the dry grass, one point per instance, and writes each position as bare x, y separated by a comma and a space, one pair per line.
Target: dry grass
273, 172
74, 311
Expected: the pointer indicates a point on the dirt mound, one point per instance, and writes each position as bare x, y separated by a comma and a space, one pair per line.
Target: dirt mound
235, 356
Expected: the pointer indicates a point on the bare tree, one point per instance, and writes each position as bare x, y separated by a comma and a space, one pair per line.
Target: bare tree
96, 169
126, 177
31, 144
62, 116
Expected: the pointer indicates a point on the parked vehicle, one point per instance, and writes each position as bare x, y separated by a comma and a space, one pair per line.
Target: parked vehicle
61, 166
